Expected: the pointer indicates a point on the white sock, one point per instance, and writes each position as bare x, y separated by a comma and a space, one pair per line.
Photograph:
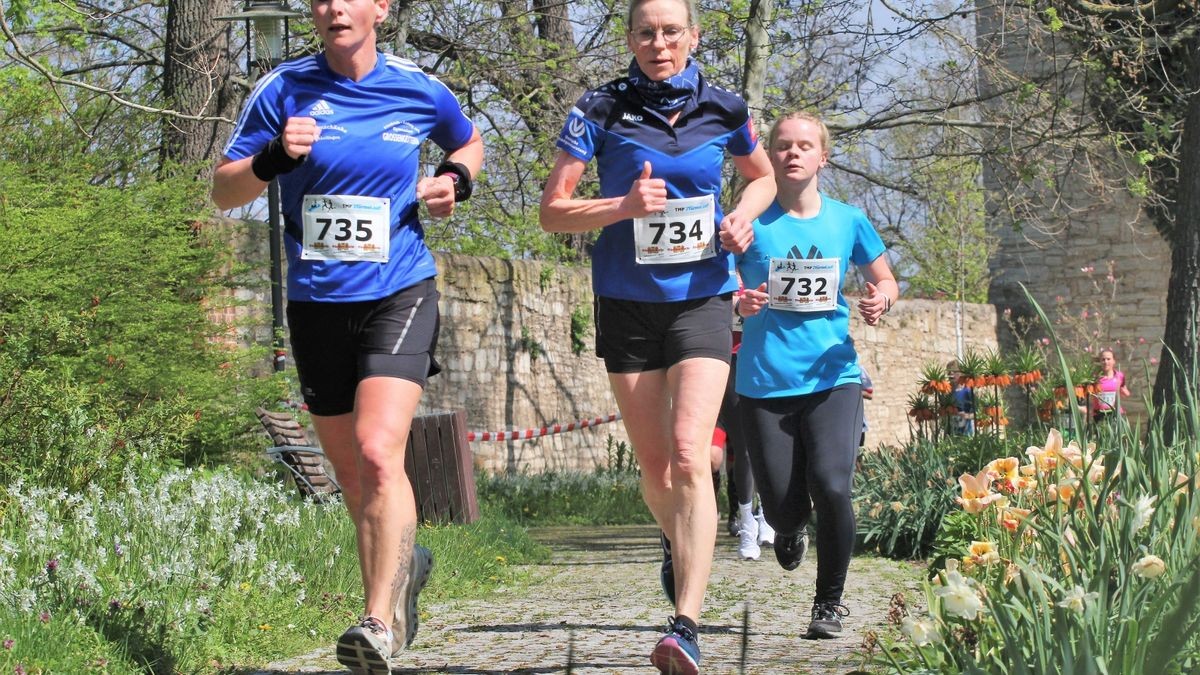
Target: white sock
745, 513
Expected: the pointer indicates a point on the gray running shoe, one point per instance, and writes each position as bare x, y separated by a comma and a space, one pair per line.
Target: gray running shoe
404, 614
366, 647
826, 620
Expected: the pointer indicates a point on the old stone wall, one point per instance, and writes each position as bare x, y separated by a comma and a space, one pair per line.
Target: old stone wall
517, 351
506, 347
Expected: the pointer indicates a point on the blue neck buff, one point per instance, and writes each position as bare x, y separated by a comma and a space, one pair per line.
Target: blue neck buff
669, 95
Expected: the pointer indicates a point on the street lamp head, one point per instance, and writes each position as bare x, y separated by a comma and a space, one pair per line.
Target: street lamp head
270, 23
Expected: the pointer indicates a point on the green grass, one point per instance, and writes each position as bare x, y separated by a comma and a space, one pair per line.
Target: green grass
601, 498
201, 572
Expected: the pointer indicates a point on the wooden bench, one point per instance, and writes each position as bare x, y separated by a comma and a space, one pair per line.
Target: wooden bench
438, 463
304, 461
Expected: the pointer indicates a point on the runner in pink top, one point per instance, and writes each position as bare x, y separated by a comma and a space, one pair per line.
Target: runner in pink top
1112, 382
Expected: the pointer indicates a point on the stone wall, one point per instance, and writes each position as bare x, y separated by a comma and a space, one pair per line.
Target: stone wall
506, 346
495, 312
509, 360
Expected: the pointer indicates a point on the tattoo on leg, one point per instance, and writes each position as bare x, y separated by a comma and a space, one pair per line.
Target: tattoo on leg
408, 537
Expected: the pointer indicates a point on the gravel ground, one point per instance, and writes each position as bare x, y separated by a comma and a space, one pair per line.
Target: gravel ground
597, 605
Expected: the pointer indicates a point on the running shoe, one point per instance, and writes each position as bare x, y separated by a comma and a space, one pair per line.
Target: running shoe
666, 573
790, 549
826, 620
678, 652
404, 614
748, 548
766, 534
366, 647
731, 525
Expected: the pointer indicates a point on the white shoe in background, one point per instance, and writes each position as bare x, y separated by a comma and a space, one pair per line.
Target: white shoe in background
766, 534
748, 547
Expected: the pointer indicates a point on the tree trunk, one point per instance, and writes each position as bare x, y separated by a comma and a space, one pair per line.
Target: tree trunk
758, 50
1183, 291
196, 81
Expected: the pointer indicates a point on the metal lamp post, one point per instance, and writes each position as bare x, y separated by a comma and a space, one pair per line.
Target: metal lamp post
266, 36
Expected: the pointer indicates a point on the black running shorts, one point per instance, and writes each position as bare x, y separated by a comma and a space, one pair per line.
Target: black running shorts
634, 337
336, 345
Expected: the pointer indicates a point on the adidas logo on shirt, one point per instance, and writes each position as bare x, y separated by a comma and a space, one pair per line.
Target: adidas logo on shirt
320, 108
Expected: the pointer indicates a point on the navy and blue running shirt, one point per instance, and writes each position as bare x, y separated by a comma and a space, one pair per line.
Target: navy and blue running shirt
612, 124
369, 145
787, 353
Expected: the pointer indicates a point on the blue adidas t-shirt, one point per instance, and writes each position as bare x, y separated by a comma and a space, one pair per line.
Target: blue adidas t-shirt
612, 125
371, 132
786, 353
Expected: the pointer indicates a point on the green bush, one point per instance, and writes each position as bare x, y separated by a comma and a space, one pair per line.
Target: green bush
109, 352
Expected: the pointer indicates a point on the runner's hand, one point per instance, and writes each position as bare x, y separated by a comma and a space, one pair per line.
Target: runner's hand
737, 232
438, 194
299, 134
646, 196
874, 305
753, 300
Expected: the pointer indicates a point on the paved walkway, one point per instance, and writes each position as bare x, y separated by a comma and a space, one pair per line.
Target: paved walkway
598, 600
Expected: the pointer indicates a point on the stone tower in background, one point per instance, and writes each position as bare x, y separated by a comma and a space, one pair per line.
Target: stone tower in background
1083, 243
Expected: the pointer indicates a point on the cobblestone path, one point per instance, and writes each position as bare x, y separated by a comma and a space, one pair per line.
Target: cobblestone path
598, 601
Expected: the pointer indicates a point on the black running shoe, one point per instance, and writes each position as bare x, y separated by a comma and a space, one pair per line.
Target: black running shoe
826, 620
790, 549
666, 573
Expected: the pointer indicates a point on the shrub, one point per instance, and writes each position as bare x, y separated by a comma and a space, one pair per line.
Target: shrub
109, 349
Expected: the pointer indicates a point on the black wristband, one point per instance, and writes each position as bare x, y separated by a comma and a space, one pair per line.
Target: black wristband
461, 177
274, 161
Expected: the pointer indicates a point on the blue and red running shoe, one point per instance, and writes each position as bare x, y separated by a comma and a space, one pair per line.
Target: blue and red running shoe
678, 652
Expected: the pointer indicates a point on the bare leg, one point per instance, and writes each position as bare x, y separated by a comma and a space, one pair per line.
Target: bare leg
367, 450
670, 418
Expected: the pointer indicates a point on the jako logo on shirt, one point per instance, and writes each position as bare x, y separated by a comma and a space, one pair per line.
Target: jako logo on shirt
630, 117
320, 109
401, 132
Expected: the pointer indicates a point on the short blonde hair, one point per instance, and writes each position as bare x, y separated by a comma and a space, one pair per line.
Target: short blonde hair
800, 115
692, 12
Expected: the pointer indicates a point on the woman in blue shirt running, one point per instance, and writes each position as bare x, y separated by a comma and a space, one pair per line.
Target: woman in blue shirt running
662, 272
341, 130
798, 375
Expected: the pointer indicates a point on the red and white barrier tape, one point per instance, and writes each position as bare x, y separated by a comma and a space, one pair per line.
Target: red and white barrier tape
544, 431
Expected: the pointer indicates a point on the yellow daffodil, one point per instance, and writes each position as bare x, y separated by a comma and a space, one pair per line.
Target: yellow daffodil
1011, 517
1149, 567
984, 553
977, 492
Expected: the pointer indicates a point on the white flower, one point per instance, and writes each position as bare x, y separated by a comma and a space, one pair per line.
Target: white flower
1143, 511
1149, 567
1076, 600
958, 597
921, 632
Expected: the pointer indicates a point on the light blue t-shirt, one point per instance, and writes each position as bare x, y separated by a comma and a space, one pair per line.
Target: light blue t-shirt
371, 133
788, 353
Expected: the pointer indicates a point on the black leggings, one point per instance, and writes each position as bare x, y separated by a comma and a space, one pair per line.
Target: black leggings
730, 420
802, 450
